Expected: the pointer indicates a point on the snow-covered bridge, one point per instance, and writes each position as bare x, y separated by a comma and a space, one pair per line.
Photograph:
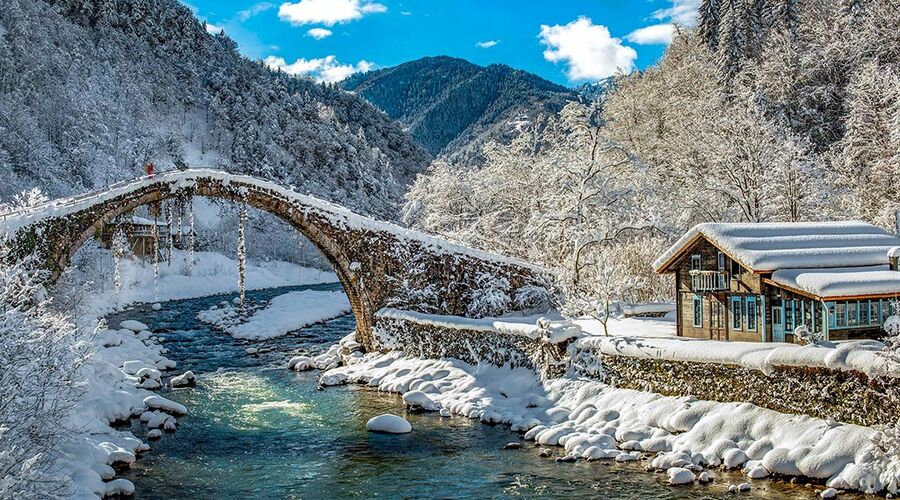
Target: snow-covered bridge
379, 264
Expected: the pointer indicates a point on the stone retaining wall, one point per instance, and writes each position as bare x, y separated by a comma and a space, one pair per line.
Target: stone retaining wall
845, 396
473, 347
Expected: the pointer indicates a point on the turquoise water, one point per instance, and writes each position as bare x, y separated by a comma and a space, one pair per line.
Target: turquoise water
258, 430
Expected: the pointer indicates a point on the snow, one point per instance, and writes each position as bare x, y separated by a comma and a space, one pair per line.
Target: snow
391, 424
135, 326
212, 273
301, 363
844, 282
680, 475
765, 247
550, 327
166, 405
590, 420
859, 355
648, 308
184, 380
283, 314
339, 216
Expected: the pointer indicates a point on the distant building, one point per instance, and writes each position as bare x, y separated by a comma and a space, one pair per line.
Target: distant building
139, 233
758, 282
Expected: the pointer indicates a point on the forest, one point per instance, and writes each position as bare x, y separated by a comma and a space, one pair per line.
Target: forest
768, 110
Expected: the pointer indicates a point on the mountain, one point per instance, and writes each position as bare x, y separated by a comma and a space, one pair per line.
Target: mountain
91, 89
452, 107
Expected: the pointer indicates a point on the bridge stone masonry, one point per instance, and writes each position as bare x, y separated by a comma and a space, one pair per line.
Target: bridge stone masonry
379, 264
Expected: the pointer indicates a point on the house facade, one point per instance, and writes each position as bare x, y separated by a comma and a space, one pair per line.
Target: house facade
758, 282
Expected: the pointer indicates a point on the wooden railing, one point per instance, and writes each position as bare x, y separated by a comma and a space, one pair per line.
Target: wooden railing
709, 281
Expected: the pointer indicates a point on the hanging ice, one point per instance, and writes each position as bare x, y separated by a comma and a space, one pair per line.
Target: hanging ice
119, 243
169, 208
191, 236
241, 255
154, 232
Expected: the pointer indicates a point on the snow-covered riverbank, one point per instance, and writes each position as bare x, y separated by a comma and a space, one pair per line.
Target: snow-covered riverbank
285, 313
595, 421
126, 364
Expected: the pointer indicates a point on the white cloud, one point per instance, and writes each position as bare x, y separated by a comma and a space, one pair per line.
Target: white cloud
254, 10
487, 44
213, 29
325, 69
319, 33
327, 12
588, 48
650, 35
682, 12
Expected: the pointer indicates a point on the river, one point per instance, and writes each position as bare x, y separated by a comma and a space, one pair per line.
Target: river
258, 430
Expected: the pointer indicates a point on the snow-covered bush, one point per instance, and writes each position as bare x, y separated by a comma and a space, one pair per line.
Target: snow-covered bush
41, 351
804, 335
490, 297
532, 297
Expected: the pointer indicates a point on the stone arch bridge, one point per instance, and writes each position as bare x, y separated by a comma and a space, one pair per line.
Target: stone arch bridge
378, 263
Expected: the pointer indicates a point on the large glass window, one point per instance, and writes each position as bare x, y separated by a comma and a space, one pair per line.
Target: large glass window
840, 312
751, 313
698, 311
695, 262
721, 261
737, 320
852, 309
873, 312
789, 316
864, 312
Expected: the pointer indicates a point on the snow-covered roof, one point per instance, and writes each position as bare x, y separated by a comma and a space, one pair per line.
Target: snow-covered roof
766, 247
841, 282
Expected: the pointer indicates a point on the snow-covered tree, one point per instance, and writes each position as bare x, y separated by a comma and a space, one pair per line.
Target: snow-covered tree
41, 352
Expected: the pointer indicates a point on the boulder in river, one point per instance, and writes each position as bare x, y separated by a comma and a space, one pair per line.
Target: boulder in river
391, 424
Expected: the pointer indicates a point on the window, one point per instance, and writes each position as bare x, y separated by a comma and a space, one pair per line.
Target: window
698, 311
735, 269
737, 322
695, 262
721, 261
751, 314
789, 316
864, 312
873, 312
852, 309
840, 312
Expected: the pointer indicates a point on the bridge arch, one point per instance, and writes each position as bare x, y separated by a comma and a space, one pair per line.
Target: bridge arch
379, 264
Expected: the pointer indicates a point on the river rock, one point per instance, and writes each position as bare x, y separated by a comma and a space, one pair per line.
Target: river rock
301, 363
156, 306
391, 424
134, 326
186, 379
166, 405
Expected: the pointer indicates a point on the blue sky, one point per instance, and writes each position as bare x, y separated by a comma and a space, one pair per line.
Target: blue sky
566, 41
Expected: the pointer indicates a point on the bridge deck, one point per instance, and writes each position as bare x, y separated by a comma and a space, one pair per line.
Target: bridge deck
11, 222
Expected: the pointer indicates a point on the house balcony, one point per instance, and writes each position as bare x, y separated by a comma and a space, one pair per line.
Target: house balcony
709, 281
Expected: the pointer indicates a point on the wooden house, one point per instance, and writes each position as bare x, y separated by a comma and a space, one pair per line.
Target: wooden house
139, 233
759, 282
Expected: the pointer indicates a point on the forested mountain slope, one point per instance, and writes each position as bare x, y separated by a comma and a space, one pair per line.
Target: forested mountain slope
91, 89
452, 106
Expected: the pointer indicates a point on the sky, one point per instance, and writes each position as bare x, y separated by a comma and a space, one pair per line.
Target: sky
569, 42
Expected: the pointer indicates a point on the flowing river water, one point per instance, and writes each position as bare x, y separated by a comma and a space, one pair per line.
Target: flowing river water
258, 430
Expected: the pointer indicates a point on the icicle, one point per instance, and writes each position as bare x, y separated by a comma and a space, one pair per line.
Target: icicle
154, 233
169, 235
118, 248
180, 223
241, 255
191, 237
